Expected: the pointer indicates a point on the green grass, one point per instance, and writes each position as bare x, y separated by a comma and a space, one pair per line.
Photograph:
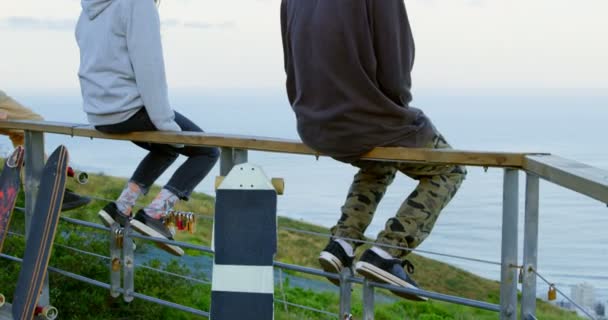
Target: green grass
77, 300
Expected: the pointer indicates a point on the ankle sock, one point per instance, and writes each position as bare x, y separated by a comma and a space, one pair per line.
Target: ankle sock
164, 201
128, 197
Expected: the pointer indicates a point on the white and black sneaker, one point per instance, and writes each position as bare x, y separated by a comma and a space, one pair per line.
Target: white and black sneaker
156, 228
378, 266
337, 255
110, 215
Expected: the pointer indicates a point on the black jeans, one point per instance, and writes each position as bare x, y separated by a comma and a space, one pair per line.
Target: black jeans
161, 156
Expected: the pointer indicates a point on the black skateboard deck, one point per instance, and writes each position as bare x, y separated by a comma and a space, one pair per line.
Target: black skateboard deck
10, 181
41, 236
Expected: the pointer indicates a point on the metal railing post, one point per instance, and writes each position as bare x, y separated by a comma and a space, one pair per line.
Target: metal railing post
345, 292
508, 278
528, 301
34, 165
368, 301
229, 158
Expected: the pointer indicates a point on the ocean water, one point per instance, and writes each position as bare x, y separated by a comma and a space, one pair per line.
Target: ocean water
573, 245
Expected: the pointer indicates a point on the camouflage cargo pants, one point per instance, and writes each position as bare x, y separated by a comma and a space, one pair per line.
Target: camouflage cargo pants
418, 213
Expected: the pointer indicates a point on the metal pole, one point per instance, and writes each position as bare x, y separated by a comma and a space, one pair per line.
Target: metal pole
345, 292
34, 165
508, 278
528, 301
368, 301
231, 157
226, 162
128, 280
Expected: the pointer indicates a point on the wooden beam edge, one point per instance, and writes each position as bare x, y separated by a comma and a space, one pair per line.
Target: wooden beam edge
460, 157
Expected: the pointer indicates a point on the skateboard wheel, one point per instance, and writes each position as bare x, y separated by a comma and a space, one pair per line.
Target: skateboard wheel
82, 177
50, 312
2, 300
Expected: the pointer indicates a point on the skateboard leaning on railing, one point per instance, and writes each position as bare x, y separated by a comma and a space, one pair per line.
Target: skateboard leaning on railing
10, 181
40, 240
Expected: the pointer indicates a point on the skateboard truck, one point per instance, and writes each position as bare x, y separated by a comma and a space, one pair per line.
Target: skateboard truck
48, 312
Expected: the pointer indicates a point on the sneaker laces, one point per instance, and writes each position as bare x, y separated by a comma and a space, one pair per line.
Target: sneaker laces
409, 267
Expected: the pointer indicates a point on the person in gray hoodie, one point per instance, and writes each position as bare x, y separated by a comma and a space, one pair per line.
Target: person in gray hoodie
124, 89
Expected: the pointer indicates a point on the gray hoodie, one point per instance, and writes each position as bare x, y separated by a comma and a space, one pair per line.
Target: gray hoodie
121, 62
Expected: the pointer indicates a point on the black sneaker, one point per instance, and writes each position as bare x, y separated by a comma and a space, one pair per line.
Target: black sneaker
334, 258
72, 200
390, 271
110, 215
156, 228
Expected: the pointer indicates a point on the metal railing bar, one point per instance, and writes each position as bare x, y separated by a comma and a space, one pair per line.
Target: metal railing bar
63, 272
316, 272
107, 286
86, 224
76, 222
66, 247
432, 295
171, 305
563, 294
327, 235
83, 252
335, 315
579, 177
108, 258
440, 297
424, 293
138, 236
172, 242
142, 266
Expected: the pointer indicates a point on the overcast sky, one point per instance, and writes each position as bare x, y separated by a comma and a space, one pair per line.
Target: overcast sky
237, 44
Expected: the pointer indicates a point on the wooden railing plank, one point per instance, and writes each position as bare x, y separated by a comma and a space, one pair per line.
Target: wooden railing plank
472, 158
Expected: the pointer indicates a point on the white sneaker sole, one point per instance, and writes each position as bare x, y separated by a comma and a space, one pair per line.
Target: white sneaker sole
145, 230
329, 263
106, 218
376, 274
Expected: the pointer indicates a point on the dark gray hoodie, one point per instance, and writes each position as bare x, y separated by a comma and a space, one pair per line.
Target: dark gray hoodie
121, 62
348, 65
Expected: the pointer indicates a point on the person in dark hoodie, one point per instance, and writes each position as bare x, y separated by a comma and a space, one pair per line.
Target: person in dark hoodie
124, 89
348, 66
